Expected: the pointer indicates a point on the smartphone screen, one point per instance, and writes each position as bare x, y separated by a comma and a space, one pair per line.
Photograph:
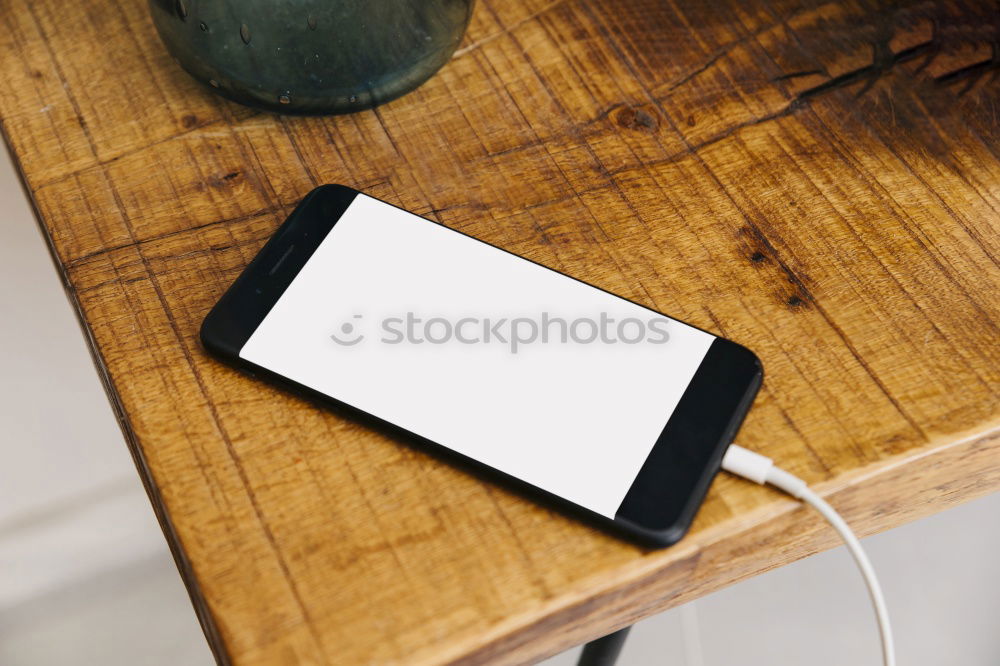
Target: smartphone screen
516, 366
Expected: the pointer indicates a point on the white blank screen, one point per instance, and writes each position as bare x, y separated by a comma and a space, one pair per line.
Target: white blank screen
574, 418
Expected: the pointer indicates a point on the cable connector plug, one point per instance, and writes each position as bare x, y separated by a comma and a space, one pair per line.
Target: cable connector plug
761, 469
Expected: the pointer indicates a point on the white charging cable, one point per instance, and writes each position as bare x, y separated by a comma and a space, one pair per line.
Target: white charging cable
761, 469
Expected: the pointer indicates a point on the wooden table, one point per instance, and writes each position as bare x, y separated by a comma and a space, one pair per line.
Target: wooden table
818, 181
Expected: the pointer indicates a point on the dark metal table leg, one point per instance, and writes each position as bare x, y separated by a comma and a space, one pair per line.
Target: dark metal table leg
604, 651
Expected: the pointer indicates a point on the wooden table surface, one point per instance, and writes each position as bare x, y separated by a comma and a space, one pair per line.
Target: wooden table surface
817, 181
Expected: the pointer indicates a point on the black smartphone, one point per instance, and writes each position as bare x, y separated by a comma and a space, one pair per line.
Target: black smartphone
583, 399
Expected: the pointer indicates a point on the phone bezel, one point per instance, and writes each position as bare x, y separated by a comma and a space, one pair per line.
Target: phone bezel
660, 505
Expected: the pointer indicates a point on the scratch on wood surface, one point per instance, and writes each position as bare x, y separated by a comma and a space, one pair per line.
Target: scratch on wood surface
508, 29
725, 49
950, 33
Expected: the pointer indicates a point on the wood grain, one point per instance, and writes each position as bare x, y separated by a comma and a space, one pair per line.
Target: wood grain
819, 181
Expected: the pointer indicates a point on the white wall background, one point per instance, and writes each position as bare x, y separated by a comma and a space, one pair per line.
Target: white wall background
86, 578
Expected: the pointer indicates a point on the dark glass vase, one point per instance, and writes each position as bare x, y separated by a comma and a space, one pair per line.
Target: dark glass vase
311, 56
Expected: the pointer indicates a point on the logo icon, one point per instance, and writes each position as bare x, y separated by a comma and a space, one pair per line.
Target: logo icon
347, 329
